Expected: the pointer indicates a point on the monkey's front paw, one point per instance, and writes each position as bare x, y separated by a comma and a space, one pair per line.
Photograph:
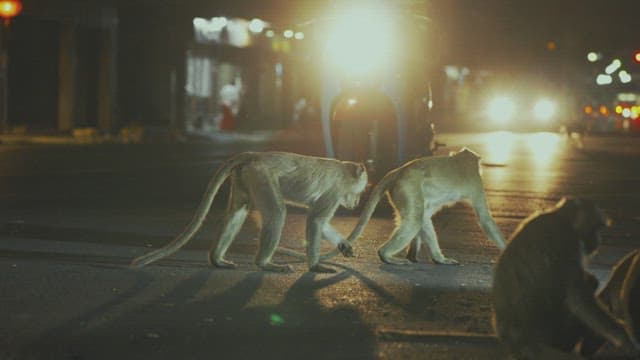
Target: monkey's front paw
446, 261
322, 269
346, 249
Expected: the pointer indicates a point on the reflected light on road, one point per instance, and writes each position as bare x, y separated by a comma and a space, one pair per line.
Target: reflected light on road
499, 148
543, 147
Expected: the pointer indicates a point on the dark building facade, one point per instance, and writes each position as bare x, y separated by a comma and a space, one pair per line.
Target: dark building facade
109, 64
62, 70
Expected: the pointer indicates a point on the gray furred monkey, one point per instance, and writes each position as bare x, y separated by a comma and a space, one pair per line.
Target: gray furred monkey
419, 189
266, 182
543, 299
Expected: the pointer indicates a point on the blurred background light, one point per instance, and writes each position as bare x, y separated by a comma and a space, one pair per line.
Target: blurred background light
603, 110
501, 109
544, 109
360, 40
613, 67
627, 97
256, 26
299, 35
218, 23
544, 146
592, 56
288, 33
624, 76
270, 33
603, 79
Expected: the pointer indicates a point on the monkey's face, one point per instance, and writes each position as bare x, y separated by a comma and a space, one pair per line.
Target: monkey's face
351, 201
592, 240
352, 198
589, 222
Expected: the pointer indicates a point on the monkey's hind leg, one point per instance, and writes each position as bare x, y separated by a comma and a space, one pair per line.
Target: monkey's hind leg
429, 236
236, 214
408, 218
414, 249
270, 203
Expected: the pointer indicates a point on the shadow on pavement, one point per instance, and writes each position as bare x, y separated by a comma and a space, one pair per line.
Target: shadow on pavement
193, 321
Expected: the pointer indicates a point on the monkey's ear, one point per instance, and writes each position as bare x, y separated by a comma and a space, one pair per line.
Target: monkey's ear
361, 169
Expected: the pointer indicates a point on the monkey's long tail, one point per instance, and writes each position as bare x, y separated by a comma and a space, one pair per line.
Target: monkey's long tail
376, 194
201, 213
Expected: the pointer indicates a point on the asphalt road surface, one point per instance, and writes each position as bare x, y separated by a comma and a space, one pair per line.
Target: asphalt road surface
72, 217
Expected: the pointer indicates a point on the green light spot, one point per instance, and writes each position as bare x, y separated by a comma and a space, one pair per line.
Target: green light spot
276, 320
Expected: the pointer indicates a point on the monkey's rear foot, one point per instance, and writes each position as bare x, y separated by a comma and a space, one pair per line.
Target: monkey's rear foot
276, 267
346, 249
222, 263
392, 259
322, 269
446, 261
412, 255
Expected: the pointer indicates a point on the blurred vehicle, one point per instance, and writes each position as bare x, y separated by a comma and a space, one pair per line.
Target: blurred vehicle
377, 61
526, 107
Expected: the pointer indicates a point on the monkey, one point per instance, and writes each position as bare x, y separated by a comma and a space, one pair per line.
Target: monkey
543, 299
267, 182
417, 190
620, 295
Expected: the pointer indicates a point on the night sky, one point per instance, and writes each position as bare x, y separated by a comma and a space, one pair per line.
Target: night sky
490, 30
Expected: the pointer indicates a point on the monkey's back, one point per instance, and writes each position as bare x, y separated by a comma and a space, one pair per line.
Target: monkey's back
529, 279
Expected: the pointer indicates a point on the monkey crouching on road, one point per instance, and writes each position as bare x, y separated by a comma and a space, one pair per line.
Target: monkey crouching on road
621, 297
544, 301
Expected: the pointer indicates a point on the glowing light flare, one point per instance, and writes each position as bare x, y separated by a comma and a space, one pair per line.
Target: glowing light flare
501, 109
276, 320
270, 33
10, 9
499, 148
215, 25
218, 23
592, 56
544, 110
299, 35
256, 26
544, 147
618, 109
636, 57
588, 109
613, 67
551, 45
288, 33
603, 79
603, 110
624, 76
360, 40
